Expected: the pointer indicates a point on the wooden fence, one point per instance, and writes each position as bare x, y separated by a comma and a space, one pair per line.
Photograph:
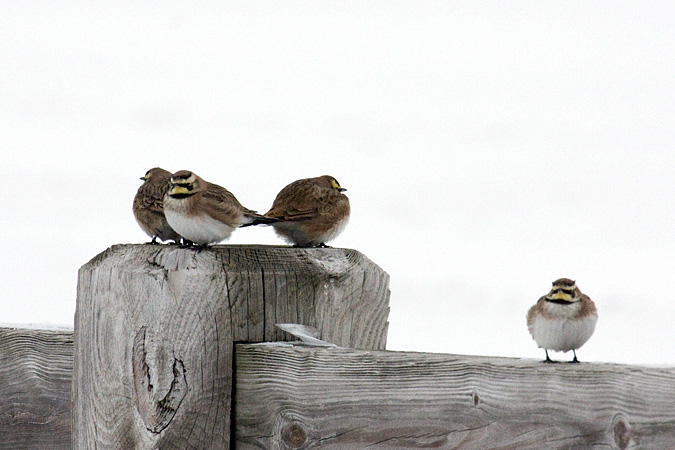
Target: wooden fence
176, 349
337, 398
36, 369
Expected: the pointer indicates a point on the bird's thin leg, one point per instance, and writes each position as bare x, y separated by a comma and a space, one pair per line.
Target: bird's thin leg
548, 360
575, 360
154, 241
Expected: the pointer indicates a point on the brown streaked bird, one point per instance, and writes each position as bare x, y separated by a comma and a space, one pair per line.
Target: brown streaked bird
205, 213
310, 212
562, 320
149, 208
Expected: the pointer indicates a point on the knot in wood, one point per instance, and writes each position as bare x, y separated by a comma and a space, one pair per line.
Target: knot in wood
622, 432
293, 436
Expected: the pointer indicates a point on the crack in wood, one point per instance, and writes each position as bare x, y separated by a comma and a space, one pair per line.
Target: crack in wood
156, 414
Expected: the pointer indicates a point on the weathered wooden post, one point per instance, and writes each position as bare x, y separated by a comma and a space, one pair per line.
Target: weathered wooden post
35, 377
155, 329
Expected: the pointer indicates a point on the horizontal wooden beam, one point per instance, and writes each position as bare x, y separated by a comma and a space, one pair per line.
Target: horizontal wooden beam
293, 397
35, 388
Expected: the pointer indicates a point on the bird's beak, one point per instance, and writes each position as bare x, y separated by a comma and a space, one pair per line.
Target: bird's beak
143, 178
342, 190
561, 296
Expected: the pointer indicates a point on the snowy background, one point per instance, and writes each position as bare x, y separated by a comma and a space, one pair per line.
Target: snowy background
488, 148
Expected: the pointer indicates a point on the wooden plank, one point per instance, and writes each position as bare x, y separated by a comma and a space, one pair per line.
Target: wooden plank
335, 398
155, 328
35, 388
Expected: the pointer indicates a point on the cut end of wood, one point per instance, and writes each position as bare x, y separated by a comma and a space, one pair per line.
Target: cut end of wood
332, 262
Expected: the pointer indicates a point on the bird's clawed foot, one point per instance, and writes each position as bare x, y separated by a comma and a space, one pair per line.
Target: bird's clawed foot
549, 360
192, 246
184, 243
321, 245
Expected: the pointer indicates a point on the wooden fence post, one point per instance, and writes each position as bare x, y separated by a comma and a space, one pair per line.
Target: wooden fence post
35, 377
155, 329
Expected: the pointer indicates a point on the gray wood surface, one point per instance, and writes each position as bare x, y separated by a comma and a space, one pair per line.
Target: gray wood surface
155, 328
332, 398
35, 388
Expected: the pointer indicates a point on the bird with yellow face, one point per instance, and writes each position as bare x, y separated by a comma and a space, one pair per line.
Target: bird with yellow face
562, 320
205, 213
310, 212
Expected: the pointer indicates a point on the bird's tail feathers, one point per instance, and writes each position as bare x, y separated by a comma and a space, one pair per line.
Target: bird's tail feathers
253, 218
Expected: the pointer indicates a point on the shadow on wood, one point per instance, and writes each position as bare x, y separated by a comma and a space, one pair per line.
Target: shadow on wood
336, 398
155, 328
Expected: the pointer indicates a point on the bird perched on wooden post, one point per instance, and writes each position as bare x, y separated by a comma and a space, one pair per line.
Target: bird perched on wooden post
562, 320
149, 205
205, 213
310, 212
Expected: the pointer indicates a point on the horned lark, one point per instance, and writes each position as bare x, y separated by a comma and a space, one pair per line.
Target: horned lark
205, 213
562, 320
148, 205
310, 212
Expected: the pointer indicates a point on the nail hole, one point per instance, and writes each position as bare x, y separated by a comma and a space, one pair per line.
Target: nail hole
475, 397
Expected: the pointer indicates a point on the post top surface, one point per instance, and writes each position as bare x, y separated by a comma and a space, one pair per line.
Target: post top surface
330, 261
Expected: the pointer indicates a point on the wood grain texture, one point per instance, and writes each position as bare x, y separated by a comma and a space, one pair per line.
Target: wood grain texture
35, 388
333, 398
155, 328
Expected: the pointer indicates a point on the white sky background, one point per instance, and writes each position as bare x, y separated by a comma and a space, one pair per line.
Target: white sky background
488, 148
